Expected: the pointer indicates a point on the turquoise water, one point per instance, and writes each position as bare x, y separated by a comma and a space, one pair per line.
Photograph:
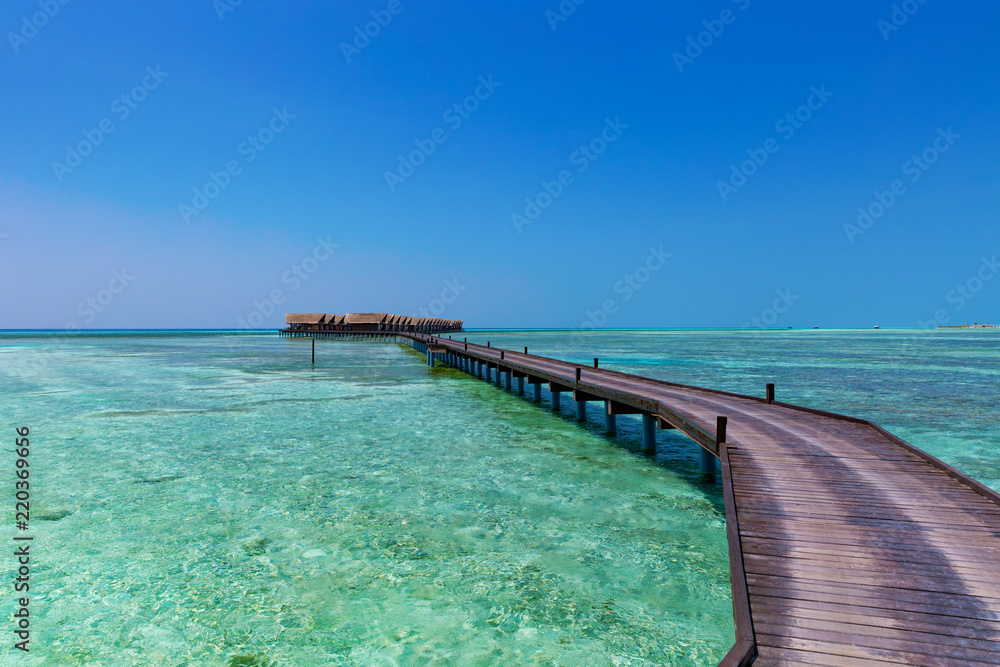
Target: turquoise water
211, 499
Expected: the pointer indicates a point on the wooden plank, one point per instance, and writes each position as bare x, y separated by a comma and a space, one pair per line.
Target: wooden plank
855, 556
771, 656
883, 564
771, 619
851, 644
948, 604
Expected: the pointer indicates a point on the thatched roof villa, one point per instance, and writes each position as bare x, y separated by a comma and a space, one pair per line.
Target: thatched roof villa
369, 322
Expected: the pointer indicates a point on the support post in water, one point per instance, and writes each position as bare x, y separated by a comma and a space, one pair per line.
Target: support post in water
610, 426
314, 351
581, 411
770, 392
648, 433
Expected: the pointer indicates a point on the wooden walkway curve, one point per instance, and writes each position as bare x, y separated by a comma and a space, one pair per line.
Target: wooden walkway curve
848, 546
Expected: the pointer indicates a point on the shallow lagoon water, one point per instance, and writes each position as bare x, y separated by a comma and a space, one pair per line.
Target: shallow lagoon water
212, 499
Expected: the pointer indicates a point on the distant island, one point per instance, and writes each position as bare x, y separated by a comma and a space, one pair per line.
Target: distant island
971, 326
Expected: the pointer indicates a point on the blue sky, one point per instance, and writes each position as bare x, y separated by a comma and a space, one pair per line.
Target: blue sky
585, 179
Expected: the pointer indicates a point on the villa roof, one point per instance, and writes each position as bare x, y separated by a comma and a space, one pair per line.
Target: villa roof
371, 318
303, 318
365, 318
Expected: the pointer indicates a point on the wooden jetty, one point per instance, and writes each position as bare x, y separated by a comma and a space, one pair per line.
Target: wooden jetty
847, 545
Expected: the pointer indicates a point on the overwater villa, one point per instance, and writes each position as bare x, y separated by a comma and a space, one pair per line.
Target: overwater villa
367, 322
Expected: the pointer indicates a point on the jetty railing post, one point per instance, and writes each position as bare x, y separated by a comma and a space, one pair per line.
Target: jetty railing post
610, 427
770, 392
595, 362
581, 405
707, 459
648, 433
525, 349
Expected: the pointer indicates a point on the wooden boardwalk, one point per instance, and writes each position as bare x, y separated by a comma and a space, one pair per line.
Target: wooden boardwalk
847, 545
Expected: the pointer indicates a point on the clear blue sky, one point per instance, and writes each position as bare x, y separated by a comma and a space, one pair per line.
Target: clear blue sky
199, 80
